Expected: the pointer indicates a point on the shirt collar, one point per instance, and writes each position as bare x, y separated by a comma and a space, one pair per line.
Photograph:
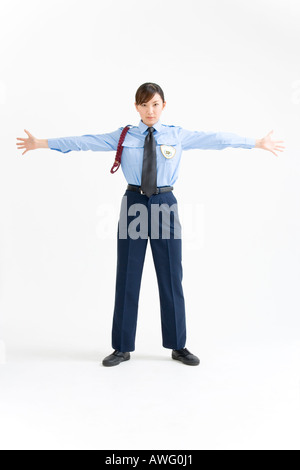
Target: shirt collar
143, 127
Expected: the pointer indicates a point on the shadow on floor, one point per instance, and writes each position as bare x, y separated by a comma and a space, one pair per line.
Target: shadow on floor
59, 354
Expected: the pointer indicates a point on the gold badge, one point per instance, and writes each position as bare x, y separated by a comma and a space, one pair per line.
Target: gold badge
168, 151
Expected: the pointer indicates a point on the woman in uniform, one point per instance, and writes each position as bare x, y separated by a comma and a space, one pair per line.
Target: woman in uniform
151, 154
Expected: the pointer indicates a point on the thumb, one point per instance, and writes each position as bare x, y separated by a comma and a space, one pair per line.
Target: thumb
271, 132
27, 132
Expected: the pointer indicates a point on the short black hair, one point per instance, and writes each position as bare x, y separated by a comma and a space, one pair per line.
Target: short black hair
146, 91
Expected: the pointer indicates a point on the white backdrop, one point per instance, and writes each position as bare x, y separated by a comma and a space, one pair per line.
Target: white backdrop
72, 68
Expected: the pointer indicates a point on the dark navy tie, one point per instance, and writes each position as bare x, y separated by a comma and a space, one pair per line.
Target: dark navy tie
149, 171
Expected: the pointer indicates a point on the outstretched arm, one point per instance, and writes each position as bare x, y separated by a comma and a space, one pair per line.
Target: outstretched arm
95, 142
221, 140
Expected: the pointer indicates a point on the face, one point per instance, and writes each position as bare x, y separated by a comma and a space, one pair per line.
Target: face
150, 112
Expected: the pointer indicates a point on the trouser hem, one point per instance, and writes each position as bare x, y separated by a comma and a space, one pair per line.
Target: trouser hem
173, 347
123, 349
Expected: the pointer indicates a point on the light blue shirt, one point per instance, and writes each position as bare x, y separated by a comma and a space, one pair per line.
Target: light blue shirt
133, 147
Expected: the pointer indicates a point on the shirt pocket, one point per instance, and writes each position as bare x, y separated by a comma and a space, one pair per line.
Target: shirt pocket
133, 150
166, 155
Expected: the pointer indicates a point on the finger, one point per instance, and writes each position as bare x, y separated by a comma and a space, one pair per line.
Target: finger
24, 152
27, 132
270, 132
278, 140
20, 138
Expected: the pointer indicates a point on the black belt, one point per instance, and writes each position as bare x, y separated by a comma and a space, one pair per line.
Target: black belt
161, 189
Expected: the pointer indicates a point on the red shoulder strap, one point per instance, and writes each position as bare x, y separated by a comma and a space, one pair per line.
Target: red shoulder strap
117, 161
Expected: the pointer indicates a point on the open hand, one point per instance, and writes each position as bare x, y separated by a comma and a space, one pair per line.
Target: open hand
29, 144
267, 143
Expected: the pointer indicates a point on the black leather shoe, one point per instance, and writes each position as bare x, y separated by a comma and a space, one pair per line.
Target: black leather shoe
115, 358
185, 356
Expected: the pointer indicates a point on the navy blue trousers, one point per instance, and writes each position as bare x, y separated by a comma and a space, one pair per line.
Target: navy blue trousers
167, 257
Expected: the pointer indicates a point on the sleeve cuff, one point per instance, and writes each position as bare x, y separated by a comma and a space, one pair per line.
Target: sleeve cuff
52, 144
250, 142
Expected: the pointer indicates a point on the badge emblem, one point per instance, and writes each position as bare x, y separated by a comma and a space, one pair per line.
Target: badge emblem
168, 151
